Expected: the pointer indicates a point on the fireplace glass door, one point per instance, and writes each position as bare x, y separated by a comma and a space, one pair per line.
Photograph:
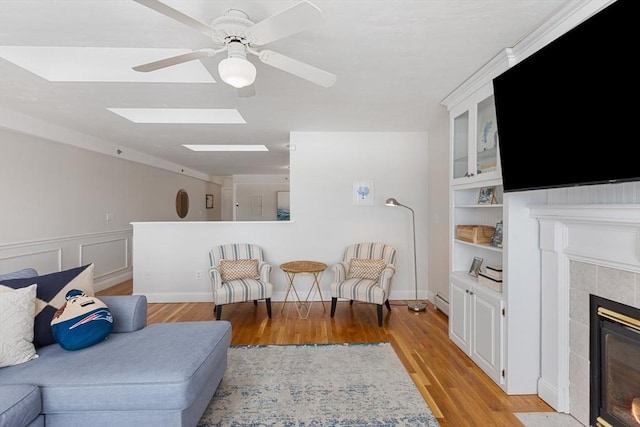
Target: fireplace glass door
621, 368
615, 365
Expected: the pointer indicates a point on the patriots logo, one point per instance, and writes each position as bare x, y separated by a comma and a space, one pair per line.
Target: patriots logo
101, 314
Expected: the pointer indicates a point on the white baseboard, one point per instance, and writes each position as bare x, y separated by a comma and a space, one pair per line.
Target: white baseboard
549, 394
102, 284
442, 304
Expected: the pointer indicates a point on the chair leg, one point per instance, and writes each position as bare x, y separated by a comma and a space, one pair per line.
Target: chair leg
269, 307
350, 302
379, 306
255, 302
218, 311
333, 306
388, 305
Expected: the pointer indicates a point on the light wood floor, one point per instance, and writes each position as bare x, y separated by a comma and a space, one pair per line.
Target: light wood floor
456, 390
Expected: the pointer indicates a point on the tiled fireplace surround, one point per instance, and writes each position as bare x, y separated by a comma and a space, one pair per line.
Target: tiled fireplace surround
585, 249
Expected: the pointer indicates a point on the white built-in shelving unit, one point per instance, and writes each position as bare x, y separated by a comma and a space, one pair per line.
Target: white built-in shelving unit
493, 327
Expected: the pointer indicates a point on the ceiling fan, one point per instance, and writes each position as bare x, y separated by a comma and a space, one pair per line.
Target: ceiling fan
236, 35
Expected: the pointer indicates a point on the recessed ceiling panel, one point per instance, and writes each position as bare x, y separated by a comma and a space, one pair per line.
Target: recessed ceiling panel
103, 64
222, 147
180, 115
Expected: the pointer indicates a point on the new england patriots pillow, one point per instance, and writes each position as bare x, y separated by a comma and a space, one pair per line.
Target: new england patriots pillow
81, 322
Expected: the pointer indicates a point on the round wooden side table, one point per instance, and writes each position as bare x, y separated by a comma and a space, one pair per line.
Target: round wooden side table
303, 267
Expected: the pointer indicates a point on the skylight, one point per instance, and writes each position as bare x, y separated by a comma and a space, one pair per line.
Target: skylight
103, 64
180, 115
221, 147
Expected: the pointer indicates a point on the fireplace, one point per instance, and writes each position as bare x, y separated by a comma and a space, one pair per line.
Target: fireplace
614, 364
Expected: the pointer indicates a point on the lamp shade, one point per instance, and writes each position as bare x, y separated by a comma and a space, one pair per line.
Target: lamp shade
392, 202
237, 72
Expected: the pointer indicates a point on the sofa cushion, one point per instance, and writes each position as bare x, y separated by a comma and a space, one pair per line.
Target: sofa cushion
238, 269
363, 268
50, 296
20, 274
16, 325
20, 404
160, 367
81, 322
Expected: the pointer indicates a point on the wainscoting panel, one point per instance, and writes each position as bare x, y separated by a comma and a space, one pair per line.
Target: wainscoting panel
47, 260
110, 252
109, 256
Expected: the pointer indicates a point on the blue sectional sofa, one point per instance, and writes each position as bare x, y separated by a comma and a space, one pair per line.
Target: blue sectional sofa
163, 374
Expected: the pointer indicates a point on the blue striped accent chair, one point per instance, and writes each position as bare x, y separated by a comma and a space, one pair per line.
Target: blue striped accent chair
374, 290
241, 289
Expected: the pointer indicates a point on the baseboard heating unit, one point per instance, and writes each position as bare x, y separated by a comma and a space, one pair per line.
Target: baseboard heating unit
442, 304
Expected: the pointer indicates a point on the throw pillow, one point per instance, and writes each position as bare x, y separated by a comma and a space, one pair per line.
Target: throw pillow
50, 296
364, 268
81, 322
238, 269
16, 325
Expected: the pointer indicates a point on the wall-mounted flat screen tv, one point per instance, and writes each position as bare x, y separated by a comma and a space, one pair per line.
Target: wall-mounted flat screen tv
567, 114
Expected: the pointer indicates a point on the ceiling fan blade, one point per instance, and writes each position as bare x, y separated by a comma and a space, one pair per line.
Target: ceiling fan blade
247, 91
177, 15
297, 68
174, 60
299, 17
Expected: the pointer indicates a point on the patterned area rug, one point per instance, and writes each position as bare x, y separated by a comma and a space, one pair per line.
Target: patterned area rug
317, 386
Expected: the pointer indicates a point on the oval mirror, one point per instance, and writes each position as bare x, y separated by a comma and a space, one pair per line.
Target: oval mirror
182, 203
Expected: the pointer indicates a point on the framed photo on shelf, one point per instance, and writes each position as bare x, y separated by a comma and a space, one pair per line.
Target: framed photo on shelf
209, 201
487, 195
475, 266
496, 238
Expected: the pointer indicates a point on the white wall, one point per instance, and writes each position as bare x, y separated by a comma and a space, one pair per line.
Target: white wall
55, 198
438, 203
168, 256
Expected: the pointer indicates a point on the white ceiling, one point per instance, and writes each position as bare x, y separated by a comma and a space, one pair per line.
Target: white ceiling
395, 61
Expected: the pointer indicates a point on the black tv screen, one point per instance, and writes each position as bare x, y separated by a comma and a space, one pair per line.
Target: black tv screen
567, 114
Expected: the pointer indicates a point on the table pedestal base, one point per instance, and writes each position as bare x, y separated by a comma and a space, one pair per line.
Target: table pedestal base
303, 307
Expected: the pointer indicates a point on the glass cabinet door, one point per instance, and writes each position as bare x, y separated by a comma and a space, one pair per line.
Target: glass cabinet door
487, 137
461, 145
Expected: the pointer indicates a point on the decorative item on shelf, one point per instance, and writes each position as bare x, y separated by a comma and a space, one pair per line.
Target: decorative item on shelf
496, 238
491, 282
487, 137
474, 233
474, 270
487, 195
209, 201
488, 167
413, 306
493, 271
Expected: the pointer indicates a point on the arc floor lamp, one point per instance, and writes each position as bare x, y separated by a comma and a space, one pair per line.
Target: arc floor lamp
413, 306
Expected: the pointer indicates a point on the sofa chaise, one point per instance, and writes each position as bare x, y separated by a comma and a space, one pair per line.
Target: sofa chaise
163, 374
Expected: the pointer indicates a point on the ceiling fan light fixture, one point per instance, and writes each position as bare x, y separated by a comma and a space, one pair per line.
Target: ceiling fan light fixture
237, 72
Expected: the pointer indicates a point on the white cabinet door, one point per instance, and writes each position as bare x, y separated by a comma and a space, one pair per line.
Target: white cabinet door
459, 315
486, 321
474, 139
476, 324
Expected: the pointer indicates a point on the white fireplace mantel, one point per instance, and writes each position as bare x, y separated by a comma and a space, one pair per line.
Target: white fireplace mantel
602, 234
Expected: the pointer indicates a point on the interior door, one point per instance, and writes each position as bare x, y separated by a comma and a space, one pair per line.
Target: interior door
227, 204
